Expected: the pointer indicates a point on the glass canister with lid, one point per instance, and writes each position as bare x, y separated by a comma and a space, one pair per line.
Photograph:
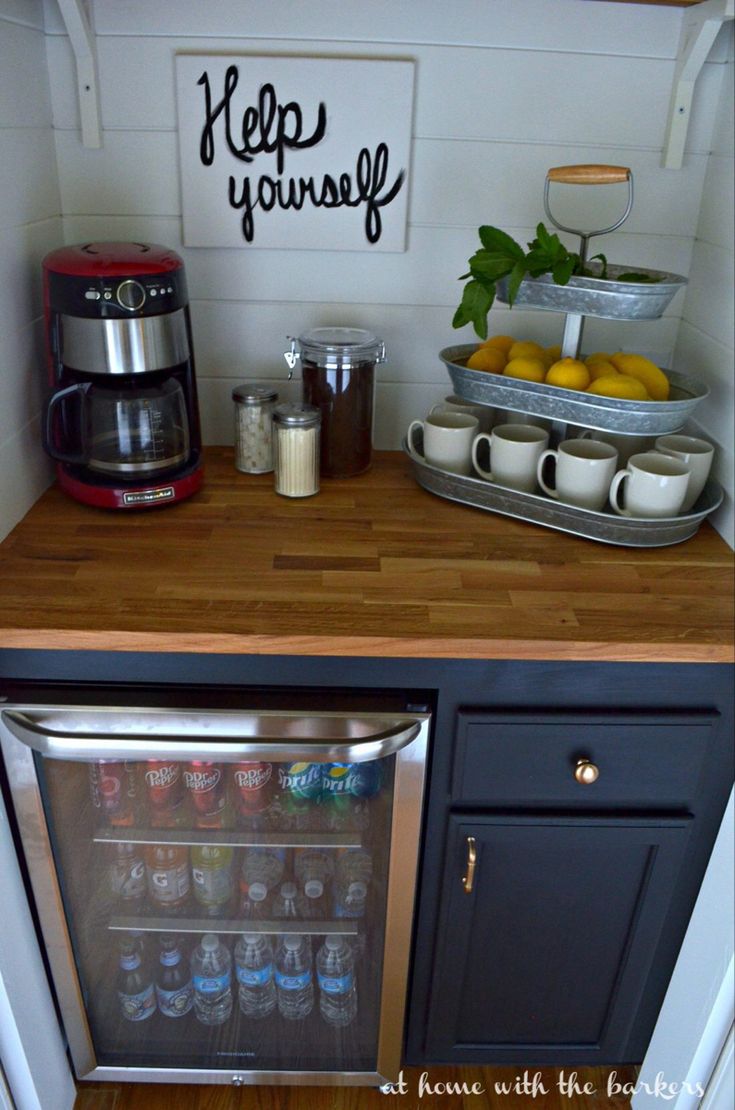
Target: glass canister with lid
254, 427
338, 374
296, 449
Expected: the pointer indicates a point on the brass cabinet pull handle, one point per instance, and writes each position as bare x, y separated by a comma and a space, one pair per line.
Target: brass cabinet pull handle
468, 878
586, 772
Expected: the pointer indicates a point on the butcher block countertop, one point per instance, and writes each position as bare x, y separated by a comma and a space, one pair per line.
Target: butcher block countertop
373, 566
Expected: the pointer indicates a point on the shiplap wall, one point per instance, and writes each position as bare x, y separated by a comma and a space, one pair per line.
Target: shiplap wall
30, 225
503, 91
706, 333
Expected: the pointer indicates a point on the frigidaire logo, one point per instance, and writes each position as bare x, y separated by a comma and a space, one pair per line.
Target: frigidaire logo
163, 776
253, 779
201, 781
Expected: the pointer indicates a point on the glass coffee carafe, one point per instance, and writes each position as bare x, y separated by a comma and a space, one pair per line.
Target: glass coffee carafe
120, 430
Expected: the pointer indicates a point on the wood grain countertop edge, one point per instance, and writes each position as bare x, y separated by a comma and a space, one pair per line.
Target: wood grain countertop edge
364, 646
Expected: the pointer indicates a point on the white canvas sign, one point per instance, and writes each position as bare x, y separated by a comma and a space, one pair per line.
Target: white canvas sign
294, 152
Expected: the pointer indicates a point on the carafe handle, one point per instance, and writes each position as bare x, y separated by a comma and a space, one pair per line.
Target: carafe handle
79, 457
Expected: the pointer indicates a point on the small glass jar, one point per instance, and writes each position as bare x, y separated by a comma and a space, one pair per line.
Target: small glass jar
254, 427
296, 449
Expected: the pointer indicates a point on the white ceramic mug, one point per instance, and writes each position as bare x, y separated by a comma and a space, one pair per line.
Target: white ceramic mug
514, 453
448, 440
695, 453
655, 486
584, 470
624, 445
453, 403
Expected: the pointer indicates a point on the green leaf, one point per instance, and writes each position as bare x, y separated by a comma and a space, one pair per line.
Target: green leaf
563, 270
516, 277
490, 266
477, 300
603, 268
493, 239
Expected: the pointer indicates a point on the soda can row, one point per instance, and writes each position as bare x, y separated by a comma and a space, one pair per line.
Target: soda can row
258, 795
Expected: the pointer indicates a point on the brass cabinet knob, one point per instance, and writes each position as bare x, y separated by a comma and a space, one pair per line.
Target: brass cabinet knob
586, 773
468, 879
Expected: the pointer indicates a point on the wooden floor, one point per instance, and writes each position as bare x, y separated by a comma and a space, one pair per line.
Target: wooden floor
504, 1088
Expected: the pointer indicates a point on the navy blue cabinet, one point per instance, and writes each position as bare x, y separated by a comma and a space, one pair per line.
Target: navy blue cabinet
573, 845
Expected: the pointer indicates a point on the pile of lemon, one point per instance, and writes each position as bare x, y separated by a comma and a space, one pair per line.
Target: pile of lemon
628, 376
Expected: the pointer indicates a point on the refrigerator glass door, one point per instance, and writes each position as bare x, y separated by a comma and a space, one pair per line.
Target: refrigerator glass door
233, 891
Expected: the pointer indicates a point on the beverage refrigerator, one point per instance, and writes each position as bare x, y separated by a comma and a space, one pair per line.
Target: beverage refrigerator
224, 879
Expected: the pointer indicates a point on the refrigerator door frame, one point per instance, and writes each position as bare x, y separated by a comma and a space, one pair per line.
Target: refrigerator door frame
404, 735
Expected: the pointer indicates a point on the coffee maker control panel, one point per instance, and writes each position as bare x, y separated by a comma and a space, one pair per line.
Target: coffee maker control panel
117, 298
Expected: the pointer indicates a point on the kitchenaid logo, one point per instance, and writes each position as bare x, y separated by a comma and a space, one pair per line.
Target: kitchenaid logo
253, 779
163, 776
202, 781
296, 147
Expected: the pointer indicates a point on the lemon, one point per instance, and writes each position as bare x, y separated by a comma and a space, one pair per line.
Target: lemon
552, 354
569, 373
526, 348
620, 385
601, 369
487, 358
530, 369
647, 372
597, 356
502, 342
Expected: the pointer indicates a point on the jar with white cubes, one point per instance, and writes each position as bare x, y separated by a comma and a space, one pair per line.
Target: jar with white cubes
254, 427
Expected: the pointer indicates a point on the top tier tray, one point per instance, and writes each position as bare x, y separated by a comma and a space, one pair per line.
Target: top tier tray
572, 406
591, 296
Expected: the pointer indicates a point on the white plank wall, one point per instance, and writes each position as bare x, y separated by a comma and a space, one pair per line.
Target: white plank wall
30, 225
503, 91
707, 330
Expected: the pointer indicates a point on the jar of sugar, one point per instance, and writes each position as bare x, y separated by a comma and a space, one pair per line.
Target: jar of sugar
296, 449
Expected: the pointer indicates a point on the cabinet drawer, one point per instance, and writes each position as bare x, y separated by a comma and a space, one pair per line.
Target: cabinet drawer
530, 759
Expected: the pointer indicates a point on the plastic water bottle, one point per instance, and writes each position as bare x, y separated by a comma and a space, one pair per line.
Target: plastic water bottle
211, 969
255, 906
354, 872
263, 866
336, 977
254, 971
284, 903
174, 988
314, 870
295, 989
135, 988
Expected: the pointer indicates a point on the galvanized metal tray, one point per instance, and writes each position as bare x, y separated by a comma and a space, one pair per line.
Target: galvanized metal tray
593, 296
572, 406
603, 527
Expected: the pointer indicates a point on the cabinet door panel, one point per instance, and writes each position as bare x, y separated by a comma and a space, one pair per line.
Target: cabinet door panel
550, 951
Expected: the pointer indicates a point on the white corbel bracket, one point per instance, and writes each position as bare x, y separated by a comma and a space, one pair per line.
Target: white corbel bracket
699, 29
82, 42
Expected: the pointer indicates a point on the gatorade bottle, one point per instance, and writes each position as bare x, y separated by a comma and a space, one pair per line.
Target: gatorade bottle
211, 871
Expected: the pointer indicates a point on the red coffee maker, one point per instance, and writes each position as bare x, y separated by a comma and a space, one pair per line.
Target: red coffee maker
122, 420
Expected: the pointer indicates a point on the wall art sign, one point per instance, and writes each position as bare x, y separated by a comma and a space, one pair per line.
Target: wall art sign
294, 152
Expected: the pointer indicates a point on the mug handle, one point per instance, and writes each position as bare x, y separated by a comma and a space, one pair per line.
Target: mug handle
549, 453
485, 473
413, 452
614, 487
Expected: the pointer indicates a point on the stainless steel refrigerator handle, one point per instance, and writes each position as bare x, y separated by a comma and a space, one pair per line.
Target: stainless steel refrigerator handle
56, 744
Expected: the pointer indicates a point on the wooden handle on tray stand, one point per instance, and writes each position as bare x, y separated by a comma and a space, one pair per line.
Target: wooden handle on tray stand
589, 175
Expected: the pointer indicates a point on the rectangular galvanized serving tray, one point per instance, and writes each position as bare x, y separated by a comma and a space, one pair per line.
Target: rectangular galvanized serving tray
604, 527
571, 406
593, 296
